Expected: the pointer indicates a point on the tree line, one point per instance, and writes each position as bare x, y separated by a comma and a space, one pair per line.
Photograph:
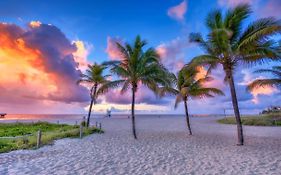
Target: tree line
227, 44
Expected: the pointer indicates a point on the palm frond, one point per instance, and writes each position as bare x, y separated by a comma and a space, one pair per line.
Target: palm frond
140, 66
275, 81
109, 85
198, 39
214, 20
276, 71
264, 83
259, 30
234, 18
167, 91
125, 87
179, 99
205, 92
204, 60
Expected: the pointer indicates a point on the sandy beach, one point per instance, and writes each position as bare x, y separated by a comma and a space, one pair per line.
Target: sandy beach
163, 148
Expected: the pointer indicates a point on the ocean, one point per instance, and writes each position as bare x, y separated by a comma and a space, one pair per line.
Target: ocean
67, 118
77, 118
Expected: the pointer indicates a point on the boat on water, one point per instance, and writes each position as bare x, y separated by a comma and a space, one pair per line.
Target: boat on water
2, 115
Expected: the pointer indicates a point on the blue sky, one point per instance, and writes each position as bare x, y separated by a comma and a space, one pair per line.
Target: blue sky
95, 22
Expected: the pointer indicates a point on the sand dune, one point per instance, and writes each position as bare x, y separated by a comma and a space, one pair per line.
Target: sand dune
163, 148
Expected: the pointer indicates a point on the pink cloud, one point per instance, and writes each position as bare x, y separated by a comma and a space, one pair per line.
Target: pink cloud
261, 9
271, 8
143, 95
177, 12
233, 3
172, 53
111, 49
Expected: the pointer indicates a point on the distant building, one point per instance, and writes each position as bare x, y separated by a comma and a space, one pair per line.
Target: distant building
272, 109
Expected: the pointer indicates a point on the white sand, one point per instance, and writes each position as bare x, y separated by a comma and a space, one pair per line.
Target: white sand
163, 148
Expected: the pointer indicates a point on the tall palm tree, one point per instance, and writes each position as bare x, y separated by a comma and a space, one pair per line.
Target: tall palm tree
94, 77
228, 45
275, 81
187, 87
138, 67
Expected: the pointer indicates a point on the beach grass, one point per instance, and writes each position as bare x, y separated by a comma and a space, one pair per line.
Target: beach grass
17, 136
273, 119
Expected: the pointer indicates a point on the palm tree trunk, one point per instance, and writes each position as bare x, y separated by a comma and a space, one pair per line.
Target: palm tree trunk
236, 109
91, 105
89, 113
133, 113
187, 117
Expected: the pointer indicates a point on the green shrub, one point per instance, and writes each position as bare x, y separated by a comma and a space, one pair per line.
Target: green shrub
83, 123
260, 120
50, 132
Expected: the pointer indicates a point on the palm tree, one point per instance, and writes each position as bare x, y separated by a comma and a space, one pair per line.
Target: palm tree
138, 67
275, 81
228, 45
187, 86
94, 77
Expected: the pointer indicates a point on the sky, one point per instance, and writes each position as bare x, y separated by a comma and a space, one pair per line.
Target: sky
45, 45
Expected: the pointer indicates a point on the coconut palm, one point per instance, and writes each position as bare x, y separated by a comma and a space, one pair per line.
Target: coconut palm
138, 67
275, 81
188, 86
228, 45
95, 78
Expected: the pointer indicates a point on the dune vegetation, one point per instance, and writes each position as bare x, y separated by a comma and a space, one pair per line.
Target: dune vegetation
14, 136
273, 119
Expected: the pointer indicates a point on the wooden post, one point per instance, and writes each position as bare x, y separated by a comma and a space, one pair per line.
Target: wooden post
81, 131
100, 125
58, 122
39, 134
75, 122
96, 124
25, 140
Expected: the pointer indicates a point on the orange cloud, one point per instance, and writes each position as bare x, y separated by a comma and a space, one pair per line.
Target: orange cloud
81, 54
22, 67
262, 91
216, 81
248, 78
201, 73
37, 63
35, 24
